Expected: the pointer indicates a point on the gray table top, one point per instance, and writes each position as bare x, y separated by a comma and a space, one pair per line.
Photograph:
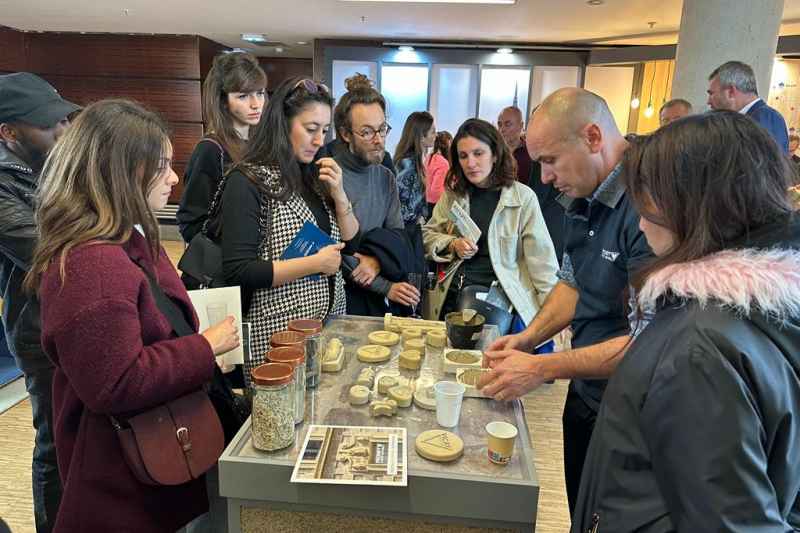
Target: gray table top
328, 405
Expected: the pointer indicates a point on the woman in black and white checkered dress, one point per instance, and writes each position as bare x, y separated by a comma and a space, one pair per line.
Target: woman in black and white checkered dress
268, 197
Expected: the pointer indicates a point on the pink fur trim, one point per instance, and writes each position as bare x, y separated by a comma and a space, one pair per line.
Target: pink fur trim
768, 280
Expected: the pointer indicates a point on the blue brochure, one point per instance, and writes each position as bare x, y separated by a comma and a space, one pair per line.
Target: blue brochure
308, 241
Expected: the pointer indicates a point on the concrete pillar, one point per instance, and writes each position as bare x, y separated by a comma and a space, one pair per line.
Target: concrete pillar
715, 31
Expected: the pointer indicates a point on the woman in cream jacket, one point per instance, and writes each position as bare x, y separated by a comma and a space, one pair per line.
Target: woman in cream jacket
514, 247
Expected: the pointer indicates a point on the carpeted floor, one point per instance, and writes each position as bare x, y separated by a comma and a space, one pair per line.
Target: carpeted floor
542, 408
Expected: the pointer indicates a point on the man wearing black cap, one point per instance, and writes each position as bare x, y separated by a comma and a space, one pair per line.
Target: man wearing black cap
32, 118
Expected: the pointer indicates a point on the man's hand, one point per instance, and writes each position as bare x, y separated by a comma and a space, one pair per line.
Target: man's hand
366, 271
513, 374
403, 293
520, 341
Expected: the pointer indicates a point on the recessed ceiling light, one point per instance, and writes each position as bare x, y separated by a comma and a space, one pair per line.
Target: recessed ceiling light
595, 2
302, 43
504, 51
405, 48
279, 49
254, 37
494, 2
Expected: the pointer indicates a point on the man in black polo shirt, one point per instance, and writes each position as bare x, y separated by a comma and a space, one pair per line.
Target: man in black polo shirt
574, 136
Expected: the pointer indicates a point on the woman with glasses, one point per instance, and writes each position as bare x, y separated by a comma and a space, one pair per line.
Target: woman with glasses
513, 250
234, 93
268, 197
699, 429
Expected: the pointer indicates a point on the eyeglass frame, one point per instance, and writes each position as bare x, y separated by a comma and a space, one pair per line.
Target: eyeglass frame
370, 138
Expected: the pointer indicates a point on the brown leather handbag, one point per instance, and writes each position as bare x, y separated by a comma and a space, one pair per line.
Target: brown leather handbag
179, 440
174, 442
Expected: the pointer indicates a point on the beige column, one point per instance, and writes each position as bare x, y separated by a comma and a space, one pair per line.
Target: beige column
715, 31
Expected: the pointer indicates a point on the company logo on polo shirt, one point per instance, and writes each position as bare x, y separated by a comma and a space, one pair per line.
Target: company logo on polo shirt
609, 256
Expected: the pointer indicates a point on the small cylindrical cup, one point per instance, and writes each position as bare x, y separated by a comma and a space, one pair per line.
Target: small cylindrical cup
501, 441
217, 312
449, 396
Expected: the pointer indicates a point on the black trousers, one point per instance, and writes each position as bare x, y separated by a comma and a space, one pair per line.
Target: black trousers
44, 470
578, 421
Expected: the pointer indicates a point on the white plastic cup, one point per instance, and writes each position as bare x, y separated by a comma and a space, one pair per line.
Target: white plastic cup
449, 396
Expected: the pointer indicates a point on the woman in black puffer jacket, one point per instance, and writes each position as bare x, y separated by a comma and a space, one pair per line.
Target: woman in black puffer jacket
699, 429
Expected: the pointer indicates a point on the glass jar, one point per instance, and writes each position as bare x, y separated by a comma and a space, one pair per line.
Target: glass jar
273, 406
293, 356
312, 329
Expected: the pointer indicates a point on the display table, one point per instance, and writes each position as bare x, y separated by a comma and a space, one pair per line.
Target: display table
468, 493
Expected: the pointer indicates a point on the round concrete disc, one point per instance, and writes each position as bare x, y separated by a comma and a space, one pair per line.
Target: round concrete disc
415, 344
358, 395
372, 353
424, 399
384, 338
436, 338
439, 445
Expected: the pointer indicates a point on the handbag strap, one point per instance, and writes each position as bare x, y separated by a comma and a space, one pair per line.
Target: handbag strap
169, 308
216, 199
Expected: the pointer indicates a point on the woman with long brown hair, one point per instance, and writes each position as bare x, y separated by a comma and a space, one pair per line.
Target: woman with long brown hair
276, 190
114, 351
514, 249
234, 94
419, 134
699, 429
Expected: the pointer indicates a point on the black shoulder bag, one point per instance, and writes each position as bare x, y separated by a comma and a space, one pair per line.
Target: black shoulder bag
231, 408
202, 259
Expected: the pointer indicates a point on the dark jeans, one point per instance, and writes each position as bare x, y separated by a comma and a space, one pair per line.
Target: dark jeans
578, 421
46, 482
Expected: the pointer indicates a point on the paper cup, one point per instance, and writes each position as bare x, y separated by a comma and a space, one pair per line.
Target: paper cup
448, 402
501, 441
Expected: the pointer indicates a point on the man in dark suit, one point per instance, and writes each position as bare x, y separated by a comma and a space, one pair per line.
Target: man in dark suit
732, 86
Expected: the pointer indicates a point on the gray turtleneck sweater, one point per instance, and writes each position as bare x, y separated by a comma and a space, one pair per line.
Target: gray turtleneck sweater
371, 189
373, 192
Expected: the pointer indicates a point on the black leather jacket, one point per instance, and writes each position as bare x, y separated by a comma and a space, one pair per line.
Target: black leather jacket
699, 429
17, 241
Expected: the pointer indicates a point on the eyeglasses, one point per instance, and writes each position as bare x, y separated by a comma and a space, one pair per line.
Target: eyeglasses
368, 134
312, 87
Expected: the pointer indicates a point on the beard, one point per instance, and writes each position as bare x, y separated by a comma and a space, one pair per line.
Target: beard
373, 157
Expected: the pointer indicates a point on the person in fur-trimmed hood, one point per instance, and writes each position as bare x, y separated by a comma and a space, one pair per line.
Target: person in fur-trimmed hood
699, 429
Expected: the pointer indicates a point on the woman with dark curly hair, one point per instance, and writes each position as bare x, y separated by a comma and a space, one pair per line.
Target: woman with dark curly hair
514, 248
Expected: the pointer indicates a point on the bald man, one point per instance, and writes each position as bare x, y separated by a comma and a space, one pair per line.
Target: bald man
673, 110
510, 124
574, 137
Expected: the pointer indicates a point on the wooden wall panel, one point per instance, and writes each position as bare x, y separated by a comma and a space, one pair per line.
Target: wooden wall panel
126, 56
184, 136
208, 50
180, 168
279, 69
176, 100
12, 50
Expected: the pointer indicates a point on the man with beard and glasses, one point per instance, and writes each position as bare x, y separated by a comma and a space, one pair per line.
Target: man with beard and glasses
32, 118
360, 119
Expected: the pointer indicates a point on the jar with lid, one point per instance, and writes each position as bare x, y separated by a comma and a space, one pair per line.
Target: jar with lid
312, 329
293, 356
273, 406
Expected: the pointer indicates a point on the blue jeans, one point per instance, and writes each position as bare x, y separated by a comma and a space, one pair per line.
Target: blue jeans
44, 470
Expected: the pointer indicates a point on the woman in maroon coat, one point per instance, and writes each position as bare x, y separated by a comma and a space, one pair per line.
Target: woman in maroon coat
115, 353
